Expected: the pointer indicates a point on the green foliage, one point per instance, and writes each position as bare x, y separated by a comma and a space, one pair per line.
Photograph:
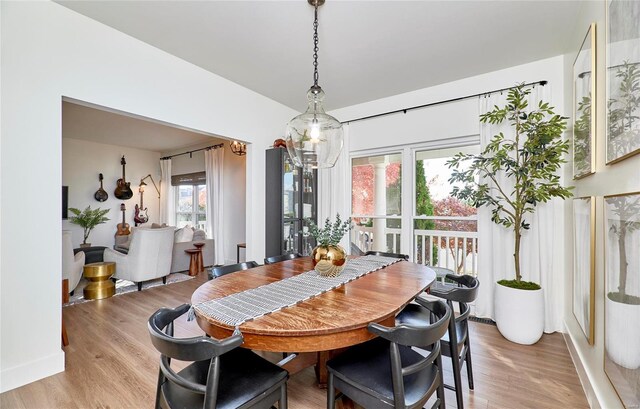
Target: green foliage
530, 159
519, 285
88, 219
424, 205
330, 234
582, 137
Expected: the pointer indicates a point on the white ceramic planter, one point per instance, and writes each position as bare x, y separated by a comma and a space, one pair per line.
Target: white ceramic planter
519, 314
621, 333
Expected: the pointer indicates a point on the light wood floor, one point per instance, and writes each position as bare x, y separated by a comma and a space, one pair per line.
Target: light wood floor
110, 363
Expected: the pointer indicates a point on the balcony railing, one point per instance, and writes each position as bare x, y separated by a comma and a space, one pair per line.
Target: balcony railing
445, 246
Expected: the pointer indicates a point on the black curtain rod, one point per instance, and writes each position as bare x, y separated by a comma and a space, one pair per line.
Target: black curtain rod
220, 145
446, 101
582, 74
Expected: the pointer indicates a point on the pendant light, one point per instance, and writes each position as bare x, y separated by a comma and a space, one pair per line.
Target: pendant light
314, 139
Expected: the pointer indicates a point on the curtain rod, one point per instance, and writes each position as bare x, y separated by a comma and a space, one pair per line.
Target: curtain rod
220, 145
446, 101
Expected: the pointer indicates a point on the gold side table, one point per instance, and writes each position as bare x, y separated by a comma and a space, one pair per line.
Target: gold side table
100, 286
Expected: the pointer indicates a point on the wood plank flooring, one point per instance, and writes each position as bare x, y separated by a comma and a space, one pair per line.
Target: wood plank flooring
110, 363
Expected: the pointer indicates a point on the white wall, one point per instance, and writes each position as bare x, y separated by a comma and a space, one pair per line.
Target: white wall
444, 121
48, 52
82, 161
617, 178
234, 201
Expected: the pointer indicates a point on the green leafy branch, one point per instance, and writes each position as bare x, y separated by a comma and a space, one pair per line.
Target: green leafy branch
331, 233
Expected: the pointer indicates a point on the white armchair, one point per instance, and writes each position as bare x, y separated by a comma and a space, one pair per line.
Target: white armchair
71, 264
149, 256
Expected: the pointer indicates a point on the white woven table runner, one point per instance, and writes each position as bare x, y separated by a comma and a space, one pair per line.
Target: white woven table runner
236, 309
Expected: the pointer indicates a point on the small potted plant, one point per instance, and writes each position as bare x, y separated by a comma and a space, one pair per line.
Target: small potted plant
328, 256
88, 219
512, 175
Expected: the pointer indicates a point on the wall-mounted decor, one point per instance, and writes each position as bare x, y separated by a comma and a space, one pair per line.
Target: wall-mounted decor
623, 80
584, 253
622, 289
584, 115
123, 190
101, 195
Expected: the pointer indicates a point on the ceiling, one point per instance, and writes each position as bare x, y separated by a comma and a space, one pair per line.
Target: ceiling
102, 126
368, 49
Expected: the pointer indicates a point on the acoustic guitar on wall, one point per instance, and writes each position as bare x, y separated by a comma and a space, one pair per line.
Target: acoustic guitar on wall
123, 190
101, 195
123, 228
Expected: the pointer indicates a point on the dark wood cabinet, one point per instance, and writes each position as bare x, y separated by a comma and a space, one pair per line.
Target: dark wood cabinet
291, 198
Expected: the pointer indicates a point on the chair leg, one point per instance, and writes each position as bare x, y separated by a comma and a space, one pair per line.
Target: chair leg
440, 390
164, 280
467, 359
282, 403
457, 380
72, 292
140, 286
331, 393
159, 388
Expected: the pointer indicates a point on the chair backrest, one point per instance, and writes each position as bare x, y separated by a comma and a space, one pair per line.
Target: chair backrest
201, 348
426, 336
465, 292
282, 257
151, 250
232, 268
382, 253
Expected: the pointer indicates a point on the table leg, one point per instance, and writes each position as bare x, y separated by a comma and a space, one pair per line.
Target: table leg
200, 262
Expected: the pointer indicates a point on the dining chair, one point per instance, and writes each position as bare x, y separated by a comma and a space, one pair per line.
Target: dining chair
221, 375
216, 272
455, 344
386, 372
384, 254
282, 257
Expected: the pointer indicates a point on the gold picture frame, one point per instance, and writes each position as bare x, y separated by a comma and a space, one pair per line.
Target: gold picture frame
623, 68
584, 111
622, 295
584, 264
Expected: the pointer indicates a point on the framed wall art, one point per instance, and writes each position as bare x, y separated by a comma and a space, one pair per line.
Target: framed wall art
584, 115
622, 301
584, 255
623, 80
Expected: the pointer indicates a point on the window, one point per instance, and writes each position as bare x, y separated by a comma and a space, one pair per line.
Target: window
401, 203
445, 230
376, 203
191, 206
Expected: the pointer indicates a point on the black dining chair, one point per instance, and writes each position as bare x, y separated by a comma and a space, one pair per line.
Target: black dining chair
455, 344
216, 272
386, 372
282, 257
384, 254
221, 375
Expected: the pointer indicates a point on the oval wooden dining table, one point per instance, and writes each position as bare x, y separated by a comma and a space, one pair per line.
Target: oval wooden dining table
318, 328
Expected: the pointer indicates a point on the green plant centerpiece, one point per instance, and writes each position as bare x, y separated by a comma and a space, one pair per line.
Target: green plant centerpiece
88, 219
515, 173
328, 256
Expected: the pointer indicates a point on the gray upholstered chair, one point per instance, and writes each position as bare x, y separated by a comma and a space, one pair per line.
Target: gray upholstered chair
149, 256
221, 375
71, 264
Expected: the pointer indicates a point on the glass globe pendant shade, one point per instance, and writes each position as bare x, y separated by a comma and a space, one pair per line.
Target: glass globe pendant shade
314, 139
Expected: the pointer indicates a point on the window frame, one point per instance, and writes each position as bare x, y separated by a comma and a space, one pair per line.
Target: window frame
194, 208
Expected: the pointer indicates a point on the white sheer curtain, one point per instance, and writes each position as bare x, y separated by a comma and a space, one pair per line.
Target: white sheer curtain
334, 189
541, 254
168, 197
213, 160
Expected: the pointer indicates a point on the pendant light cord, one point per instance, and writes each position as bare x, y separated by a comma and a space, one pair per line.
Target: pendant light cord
315, 47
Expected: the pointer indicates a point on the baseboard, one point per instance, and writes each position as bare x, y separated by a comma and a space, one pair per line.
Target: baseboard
20, 375
587, 386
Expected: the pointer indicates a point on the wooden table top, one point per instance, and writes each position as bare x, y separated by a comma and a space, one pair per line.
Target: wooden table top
335, 319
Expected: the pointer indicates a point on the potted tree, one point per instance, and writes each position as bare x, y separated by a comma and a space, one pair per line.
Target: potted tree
529, 160
88, 219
